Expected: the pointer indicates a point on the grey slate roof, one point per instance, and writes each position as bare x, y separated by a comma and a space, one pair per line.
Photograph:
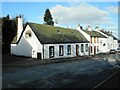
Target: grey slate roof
109, 34
47, 34
94, 34
114, 37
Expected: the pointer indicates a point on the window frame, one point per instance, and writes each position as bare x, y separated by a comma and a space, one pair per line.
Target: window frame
61, 50
86, 47
82, 48
97, 48
91, 49
69, 49
28, 34
50, 50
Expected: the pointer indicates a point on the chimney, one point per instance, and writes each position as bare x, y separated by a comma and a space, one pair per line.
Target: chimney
79, 27
89, 28
96, 28
111, 32
20, 27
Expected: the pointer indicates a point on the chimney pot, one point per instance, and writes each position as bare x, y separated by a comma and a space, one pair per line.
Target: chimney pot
79, 27
96, 28
89, 28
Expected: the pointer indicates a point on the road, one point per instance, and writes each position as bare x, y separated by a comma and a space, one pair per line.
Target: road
85, 73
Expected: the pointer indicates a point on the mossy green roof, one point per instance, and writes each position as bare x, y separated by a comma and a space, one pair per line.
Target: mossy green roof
47, 34
94, 34
51, 35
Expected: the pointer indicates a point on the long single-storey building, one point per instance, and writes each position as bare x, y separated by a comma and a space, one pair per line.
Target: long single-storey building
45, 42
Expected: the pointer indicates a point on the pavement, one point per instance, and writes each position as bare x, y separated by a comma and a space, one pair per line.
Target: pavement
18, 61
13, 60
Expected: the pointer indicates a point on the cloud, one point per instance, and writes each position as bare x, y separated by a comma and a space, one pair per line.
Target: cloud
80, 13
114, 9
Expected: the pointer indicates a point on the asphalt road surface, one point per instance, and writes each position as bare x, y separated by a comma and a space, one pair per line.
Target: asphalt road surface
74, 74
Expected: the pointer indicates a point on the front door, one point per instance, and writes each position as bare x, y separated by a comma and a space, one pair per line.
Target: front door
39, 56
77, 50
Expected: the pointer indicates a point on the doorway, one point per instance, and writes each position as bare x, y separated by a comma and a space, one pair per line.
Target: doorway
39, 56
77, 50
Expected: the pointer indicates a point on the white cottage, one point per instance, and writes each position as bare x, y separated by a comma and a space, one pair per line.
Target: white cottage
112, 42
94, 37
45, 42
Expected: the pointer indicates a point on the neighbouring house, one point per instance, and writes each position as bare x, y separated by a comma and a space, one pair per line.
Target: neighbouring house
112, 41
96, 39
45, 42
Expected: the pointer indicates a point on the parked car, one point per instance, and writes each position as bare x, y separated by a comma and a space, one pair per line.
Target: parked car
112, 51
118, 50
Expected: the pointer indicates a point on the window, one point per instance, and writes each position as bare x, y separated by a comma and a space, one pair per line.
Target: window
69, 49
91, 49
28, 34
104, 44
51, 51
86, 47
33, 52
97, 40
82, 48
61, 50
97, 48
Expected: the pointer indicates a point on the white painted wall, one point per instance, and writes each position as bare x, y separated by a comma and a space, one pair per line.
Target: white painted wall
34, 42
56, 50
87, 36
26, 46
21, 49
102, 48
115, 44
110, 42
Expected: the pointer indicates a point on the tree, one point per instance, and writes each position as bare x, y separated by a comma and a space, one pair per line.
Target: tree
48, 18
9, 29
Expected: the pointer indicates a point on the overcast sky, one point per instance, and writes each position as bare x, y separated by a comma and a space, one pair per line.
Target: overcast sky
102, 14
